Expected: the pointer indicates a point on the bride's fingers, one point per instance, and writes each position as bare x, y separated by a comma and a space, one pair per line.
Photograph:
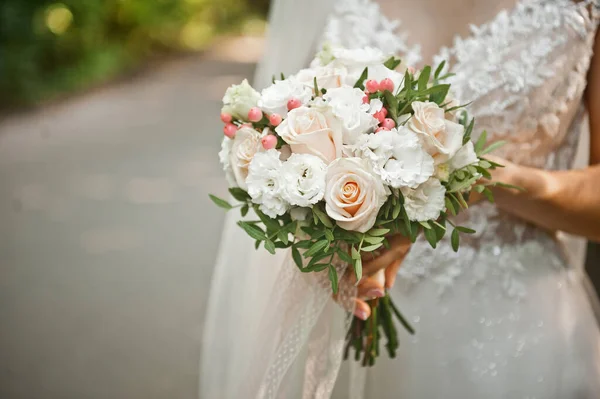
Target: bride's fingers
391, 272
361, 309
370, 287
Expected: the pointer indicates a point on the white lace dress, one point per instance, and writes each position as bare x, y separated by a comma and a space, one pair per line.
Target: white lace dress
506, 316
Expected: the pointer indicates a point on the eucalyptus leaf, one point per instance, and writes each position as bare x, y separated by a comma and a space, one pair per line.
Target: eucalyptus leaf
316, 248
455, 240
322, 216
371, 248
493, 147
333, 277
239, 194
374, 240
431, 237
480, 143
358, 269
355, 253
424, 77
450, 206
344, 256
297, 257
360, 83
253, 231
378, 232
270, 246
439, 69
465, 230
329, 235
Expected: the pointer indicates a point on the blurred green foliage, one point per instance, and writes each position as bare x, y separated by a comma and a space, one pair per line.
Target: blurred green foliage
49, 47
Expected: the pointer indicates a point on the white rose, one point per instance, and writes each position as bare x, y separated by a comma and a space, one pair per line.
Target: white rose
312, 131
328, 77
303, 180
244, 147
464, 156
354, 194
397, 156
274, 98
426, 202
239, 99
359, 58
264, 183
441, 138
346, 103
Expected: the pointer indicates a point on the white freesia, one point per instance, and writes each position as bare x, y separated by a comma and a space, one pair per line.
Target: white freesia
347, 104
426, 202
239, 99
354, 194
274, 98
243, 148
464, 156
328, 77
303, 180
264, 183
313, 131
441, 138
397, 156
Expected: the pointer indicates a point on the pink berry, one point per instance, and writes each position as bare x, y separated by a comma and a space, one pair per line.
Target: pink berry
293, 103
379, 129
366, 99
380, 115
269, 141
388, 124
386, 84
255, 114
275, 119
230, 130
226, 118
372, 86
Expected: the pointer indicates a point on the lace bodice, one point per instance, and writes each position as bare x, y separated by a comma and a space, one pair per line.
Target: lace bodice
524, 73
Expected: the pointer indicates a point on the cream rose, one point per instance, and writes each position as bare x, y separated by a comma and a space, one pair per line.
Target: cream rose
328, 77
441, 138
353, 194
243, 148
313, 131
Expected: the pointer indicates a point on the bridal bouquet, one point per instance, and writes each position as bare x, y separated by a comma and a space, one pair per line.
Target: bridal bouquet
334, 159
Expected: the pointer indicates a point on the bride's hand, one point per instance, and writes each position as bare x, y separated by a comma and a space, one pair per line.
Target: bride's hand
379, 273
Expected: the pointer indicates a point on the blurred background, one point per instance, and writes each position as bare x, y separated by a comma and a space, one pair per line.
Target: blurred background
109, 134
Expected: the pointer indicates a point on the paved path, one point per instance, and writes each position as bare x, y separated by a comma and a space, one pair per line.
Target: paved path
108, 238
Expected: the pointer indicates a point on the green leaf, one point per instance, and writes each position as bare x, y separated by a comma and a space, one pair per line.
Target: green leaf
358, 268
272, 225
439, 69
344, 256
439, 93
220, 202
283, 236
244, 210
361, 80
392, 104
322, 216
378, 232
465, 230
450, 206
424, 77
270, 246
479, 188
493, 147
374, 240
239, 194
485, 164
425, 224
414, 231
510, 186
297, 257
333, 277
440, 229
468, 131
319, 267
431, 237
371, 248
304, 244
316, 248
257, 244
253, 231
455, 240
316, 86
355, 253
480, 142
397, 208
329, 235
489, 195
392, 63
282, 76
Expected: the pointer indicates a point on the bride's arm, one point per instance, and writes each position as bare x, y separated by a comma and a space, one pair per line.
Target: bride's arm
561, 200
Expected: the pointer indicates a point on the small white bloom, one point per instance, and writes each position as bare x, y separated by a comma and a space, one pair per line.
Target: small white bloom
346, 103
354, 194
239, 99
264, 184
274, 98
463, 157
303, 180
441, 138
426, 202
397, 156
224, 156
